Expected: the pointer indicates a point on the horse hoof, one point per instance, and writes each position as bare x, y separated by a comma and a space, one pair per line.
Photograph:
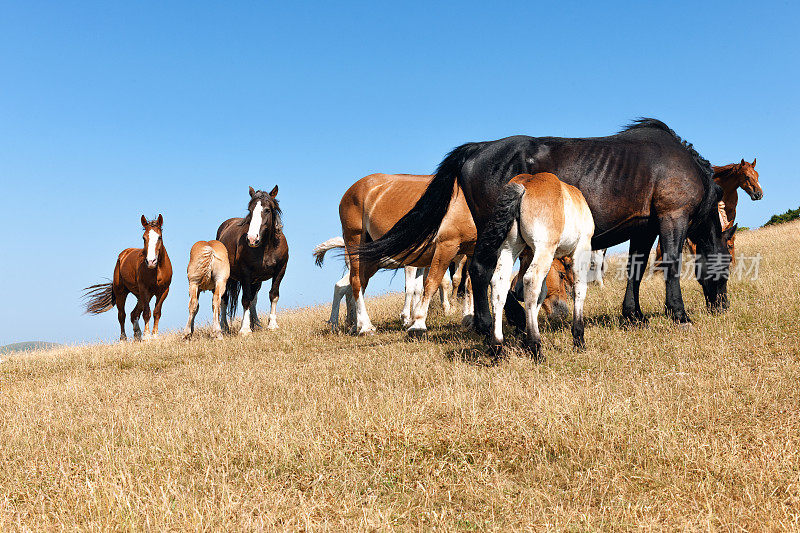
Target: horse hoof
496, 351
466, 322
417, 333
579, 345
245, 332
534, 349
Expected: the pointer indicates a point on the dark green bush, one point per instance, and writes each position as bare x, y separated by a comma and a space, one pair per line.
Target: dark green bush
791, 214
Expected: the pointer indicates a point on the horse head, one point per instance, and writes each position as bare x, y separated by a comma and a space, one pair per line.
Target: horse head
264, 217
748, 179
712, 267
152, 240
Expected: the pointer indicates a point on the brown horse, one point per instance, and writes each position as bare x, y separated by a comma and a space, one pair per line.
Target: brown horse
374, 204
145, 272
257, 251
208, 270
559, 285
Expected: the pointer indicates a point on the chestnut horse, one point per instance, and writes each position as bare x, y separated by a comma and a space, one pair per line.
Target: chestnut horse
374, 204
144, 272
208, 270
553, 219
257, 251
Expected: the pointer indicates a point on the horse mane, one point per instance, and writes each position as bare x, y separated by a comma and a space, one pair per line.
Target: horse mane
713, 191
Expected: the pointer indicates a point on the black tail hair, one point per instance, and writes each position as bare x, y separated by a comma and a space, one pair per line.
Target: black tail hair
232, 293
418, 227
99, 298
505, 212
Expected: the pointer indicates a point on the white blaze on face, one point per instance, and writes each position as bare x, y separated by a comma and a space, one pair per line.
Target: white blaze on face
255, 223
151, 246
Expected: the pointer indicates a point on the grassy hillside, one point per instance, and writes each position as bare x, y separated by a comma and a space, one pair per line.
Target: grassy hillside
27, 346
657, 428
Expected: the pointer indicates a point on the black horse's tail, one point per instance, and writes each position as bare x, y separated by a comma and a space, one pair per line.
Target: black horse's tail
419, 226
99, 298
505, 213
232, 294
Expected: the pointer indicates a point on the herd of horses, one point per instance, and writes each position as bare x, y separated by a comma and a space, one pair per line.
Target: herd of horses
553, 203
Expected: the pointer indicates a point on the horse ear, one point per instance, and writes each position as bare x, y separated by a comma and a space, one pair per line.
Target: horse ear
144, 221
753, 164
742, 163
252, 192
274, 192
160, 221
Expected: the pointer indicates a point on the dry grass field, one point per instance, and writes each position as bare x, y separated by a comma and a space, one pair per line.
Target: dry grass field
656, 428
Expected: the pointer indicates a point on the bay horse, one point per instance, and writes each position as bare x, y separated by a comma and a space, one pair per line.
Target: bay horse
414, 288
370, 207
553, 219
144, 272
257, 251
208, 270
641, 183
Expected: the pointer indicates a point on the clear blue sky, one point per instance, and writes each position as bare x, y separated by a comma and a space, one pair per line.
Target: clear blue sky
110, 110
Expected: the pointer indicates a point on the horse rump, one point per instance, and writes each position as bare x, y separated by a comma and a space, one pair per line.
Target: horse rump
419, 226
99, 298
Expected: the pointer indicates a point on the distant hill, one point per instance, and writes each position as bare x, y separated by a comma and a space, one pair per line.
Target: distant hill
27, 346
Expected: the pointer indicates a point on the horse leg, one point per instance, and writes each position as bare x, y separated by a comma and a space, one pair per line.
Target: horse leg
160, 297
194, 305
408, 299
468, 309
501, 283
532, 282
137, 311
637, 264
672, 236
457, 276
515, 312
358, 281
255, 322
247, 297
146, 313
581, 264
120, 297
223, 310
481, 270
442, 256
445, 290
340, 290
274, 294
216, 327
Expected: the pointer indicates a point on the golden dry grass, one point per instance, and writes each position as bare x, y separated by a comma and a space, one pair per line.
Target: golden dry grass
657, 428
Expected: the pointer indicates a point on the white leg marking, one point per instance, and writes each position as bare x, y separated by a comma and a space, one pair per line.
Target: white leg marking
363, 323
245, 323
273, 322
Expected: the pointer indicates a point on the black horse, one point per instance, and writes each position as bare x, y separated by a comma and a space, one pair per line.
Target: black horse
642, 183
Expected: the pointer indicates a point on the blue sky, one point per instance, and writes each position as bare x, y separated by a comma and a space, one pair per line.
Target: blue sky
111, 110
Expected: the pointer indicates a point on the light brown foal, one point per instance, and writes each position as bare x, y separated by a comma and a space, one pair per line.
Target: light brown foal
144, 272
208, 270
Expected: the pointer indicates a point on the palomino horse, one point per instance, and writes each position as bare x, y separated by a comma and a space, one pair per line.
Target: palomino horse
374, 204
257, 251
208, 270
414, 288
554, 220
641, 183
145, 272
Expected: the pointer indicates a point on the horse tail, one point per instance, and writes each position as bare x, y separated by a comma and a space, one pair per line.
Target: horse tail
505, 213
232, 290
322, 248
99, 298
418, 227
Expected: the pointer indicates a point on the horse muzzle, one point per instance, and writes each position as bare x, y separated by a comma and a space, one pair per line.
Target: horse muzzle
756, 195
253, 243
152, 263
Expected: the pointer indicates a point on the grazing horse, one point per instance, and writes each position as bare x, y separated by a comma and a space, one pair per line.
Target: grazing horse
414, 288
554, 220
145, 272
641, 183
374, 204
208, 270
257, 251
